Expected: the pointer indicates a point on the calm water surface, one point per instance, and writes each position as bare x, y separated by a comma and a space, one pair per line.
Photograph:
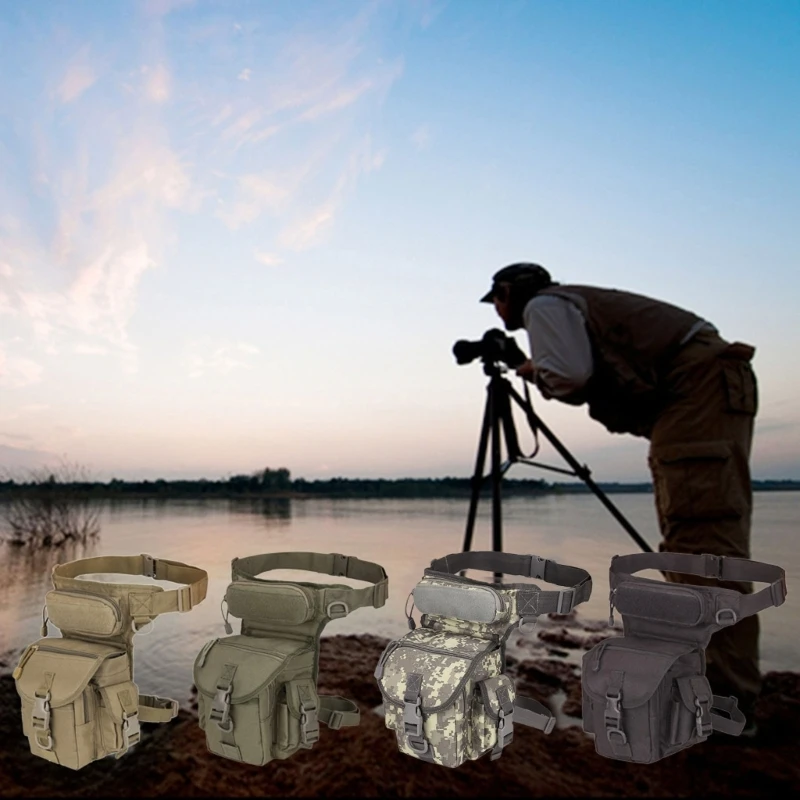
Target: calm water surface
402, 535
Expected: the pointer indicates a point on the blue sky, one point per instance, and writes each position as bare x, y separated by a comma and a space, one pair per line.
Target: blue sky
247, 234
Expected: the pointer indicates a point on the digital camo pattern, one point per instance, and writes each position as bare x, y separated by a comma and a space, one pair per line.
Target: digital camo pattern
463, 644
453, 733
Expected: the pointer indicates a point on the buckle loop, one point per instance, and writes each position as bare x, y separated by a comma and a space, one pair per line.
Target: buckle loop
335, 720
612, 714
309, 725
567, 606
131, 731
538, 568
418, 744
703, 722
726, 611
610, 732
184, 599
40, 720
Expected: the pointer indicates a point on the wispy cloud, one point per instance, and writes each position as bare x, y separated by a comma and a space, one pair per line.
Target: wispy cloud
158, 83
17, 372
220, 358
244, 75
78, 78
269, 259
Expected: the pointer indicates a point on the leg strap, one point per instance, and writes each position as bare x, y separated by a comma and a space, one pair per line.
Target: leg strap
730, 705
528, 711
337, 712
156, 709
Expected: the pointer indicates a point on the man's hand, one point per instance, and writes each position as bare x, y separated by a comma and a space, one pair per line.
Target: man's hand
527, 371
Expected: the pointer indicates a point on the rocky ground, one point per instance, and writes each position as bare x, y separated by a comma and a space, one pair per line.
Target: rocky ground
364, 762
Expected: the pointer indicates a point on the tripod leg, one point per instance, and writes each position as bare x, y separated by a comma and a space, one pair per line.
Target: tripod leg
499, 403
477, 477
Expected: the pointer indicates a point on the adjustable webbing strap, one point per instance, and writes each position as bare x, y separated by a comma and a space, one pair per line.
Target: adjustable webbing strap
528, 711
531, 602
143, 601
156, 709
723, 568
338, 601
505, 721
337, 712
728, 705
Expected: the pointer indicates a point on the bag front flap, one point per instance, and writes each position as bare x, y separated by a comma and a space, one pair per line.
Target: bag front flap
659, 602
497, 693
247, 663
441, 662
63, 667
459, 601
282, 603
643, 664
81, 612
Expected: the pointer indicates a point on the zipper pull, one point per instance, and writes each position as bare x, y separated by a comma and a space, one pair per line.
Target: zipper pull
25, 656
411, 624
611, 608
45, 620
598, 655
228, 626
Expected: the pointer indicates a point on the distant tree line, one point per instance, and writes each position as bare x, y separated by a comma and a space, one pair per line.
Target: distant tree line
279, 483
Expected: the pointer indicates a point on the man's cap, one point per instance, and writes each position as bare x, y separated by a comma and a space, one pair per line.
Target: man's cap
531, 275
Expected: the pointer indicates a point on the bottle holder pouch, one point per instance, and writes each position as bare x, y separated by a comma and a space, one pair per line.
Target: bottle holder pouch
257, 700
78, 701
429, 682
644, 699
84, 614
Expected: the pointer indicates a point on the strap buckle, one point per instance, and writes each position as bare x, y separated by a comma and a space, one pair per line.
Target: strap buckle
131, 731
538, 568
412, 718
612, 714
380, 594
148, 566
309, 724
703, 722
221, 709
777, 592
340, 564
564, 607
713, 565
335, 720
726, 612
40, 720
611, 732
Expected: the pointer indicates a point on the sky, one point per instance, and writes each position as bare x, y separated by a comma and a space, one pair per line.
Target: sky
237, 235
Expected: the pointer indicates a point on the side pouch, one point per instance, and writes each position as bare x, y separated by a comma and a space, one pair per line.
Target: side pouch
63, 685
741, 386
239, 680
491, 723
297, 718
427, 681
631, 698
84, 614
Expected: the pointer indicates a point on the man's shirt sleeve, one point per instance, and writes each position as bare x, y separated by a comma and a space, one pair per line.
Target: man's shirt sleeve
560, 348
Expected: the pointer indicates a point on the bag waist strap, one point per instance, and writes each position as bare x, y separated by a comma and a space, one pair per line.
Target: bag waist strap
531, 601
182, 599
327, 564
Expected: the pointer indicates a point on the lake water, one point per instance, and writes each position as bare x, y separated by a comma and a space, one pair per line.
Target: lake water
402, 535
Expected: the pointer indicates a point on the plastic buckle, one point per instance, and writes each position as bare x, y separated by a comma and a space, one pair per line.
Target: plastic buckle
538, 568
131, 732
561, 605
412, 718
148, 566
335, 721
40, 720
612, 713
505, 728
337, 615
777, 592
340, 564
713, 566
309, 725
221, 709
702, 718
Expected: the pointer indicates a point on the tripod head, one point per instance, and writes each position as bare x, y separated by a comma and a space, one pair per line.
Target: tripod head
493, 349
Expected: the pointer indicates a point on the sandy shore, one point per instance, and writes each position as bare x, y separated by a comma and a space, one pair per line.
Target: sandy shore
364, 762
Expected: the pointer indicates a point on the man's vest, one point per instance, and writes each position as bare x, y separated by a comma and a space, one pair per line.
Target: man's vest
645, 694
446, 693
633, 340
257, 690
79, 701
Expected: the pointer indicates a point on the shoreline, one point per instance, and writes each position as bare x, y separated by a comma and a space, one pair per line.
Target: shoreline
364, 761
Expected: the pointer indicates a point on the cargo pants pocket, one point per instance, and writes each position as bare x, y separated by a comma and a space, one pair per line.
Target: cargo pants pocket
741, 387
697, 480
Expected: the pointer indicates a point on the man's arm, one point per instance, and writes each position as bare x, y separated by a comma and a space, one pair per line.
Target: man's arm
560, 348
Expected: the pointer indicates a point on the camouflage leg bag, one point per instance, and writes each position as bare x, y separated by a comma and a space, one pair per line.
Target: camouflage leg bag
257, 690
645, 694
446, 694
79, 700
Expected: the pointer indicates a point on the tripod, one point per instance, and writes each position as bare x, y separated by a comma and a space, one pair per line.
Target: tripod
498, 419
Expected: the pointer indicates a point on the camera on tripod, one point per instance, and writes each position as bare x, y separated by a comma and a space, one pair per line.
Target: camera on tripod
494, 347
